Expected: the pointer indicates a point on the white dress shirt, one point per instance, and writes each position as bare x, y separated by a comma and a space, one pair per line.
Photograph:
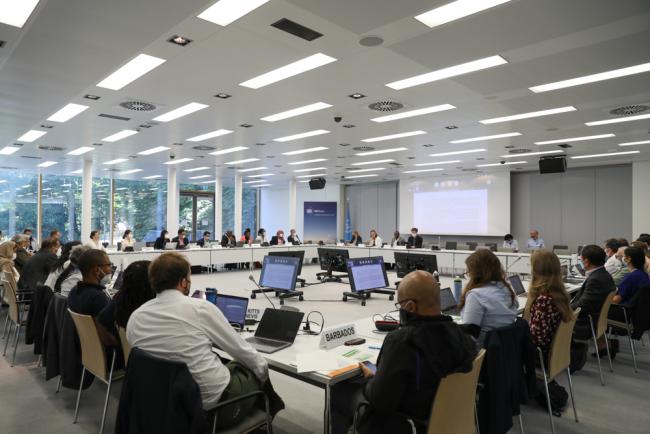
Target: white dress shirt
377, 242
70, 282
534, 244
184, 329
127, 242
95, 245
613, 264
512, 244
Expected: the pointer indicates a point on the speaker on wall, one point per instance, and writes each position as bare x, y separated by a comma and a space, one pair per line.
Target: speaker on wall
552, 164
317, 183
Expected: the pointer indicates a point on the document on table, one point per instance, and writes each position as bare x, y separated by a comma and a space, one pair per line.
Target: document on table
328, 360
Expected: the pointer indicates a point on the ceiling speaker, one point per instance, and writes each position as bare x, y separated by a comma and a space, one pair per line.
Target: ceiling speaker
552, 164
317, 183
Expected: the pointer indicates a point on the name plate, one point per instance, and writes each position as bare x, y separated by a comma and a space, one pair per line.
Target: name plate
336, 336
253, 314
256, 245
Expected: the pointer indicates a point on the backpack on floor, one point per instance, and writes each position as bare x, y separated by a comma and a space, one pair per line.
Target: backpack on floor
558, 394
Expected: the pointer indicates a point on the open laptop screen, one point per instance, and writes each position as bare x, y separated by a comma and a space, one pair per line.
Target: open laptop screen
233, 308
279, 325
447, 300
517, 286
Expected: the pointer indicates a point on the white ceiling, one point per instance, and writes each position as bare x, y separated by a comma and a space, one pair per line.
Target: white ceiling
68, 46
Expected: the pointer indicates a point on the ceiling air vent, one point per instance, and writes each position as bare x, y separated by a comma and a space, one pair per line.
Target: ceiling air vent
386, 105
138, 106
395, 163
203, 148
51, 148
629, 110
518, 151
296, 29
119, 118
363, 148
30, 157
470, 169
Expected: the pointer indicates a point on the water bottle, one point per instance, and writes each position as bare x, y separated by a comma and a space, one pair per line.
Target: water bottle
458, 288
436, 276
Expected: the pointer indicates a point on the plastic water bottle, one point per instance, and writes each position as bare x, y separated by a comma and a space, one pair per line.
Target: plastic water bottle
458, 288
436, 276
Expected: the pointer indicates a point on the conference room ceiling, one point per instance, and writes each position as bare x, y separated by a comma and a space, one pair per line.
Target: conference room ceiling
68, 46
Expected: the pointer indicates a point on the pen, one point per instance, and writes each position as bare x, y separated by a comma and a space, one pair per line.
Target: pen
374, 348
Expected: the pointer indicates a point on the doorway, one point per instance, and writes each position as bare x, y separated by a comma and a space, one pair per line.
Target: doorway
196, 214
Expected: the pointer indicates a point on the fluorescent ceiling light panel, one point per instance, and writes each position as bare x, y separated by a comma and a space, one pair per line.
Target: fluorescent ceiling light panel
611, 154
196, 169
209, 135
456, 10
313, 175
529, 115
224, 12
305, 151
508, 163
52, 163
261, 175
31, 135
642, 142
82, 150
229, 150
152, 177
116, 161
301, 135
68, 112
381, 151
181, 111
295, 68
607, 75
618, 120
310, 169
483, 138
532, 154
423, 170
8, 150
370, 169
296, 112
212, 181
451, 71
246, 160
154, 150
262, 185
16, 13
365, 163
394, 136
412, 113
575, 139
200, 177
436, 163
466, 151
182, 160
76, 172
130, 171
133, 70
315, 160
252, 169
360, 176
257, 181
119, 136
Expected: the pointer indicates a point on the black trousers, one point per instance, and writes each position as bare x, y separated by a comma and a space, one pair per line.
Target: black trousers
344, 399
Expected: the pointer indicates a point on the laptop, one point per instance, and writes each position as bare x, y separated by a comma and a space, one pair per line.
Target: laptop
277, 330
517, 286
171, 246
448, 304
233, 308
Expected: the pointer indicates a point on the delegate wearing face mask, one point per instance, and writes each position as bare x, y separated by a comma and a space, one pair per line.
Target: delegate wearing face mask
88, 297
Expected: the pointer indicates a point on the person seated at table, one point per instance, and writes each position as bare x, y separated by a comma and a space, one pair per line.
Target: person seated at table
94, 241
414, 241
547, 297
37, 267
278, 238
162, 240
375, 240
181, 240
228, 239
634, 259
61, 264
7, 251
397, 240
509, 242
127, 240
176, 327
88, 297
246, 238
293, 237
356, 239
205, 241
534, 242
487, 301
261, 236
69, 278
22, 255
413, 359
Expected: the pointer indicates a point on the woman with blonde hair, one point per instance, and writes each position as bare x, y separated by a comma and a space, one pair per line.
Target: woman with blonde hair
547, 297
7, 251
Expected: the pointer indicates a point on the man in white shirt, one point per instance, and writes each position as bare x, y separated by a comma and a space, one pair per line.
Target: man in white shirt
534, 242
176, 327
509, 242
613, 263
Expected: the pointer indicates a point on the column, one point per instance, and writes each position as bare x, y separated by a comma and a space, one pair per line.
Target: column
172, 201
39, 209
218, 187
86, 199
238, 204
640, 203
292, 205
111, 212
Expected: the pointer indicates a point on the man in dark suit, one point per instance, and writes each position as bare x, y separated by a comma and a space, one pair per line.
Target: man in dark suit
181, 240
414, 241
37, 267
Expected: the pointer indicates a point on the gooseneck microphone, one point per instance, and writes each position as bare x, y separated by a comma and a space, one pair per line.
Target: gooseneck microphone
252, 279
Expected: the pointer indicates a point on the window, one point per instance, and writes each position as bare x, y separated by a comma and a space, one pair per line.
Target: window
249, 209
101, 217
140, 206
18, 202
228, 210
61, 199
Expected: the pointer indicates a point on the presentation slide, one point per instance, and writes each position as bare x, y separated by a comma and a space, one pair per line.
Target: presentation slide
464, 205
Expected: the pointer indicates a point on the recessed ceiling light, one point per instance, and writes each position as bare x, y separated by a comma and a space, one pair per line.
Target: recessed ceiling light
179, 40
618, 120
130, 171
154, 150
412, 113
642, 142
349, 126
315, 160
16, 13
210, 135
52, 163
119, 135
615, 73
381, 151
466, 151
222, 95
252, 169
507, 163
611, 154
301, 135
261, 175
482, 138
456, 10
310, 169
229, 150
295, 68
575, 139
451, 127
451, 71
370, 169
8, 150
182, 160
296, 112
394, 136
423, 170
46, 126
200, 177
68, 112
357, 95
93, 97
133, 70
312, 175
31, 136
305, 151
116, 161
530, 154
365, 163
360, 176
82, 150
196, 169
152, 177
529, 115
181, 111
247, 160
224, 12
436, 163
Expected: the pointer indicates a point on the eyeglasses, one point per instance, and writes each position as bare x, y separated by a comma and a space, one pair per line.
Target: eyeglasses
399, 304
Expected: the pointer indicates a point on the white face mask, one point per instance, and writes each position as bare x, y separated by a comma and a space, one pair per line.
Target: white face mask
13, 258
58, 252
415, 234
106, 280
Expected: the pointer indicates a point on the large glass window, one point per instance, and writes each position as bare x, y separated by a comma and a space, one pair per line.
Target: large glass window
101, 214
61, 196
140, 206
228, 210
249, 209
18, 202
196, 210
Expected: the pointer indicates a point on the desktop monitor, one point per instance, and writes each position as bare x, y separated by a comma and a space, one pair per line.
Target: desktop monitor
407, 262
517, 286
233, 308
300, 254
333, 259
451, 245
279, 272
367, 273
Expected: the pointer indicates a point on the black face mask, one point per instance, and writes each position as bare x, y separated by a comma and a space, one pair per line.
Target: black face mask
406, 317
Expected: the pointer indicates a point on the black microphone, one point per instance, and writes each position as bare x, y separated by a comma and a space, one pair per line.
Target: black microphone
252, 279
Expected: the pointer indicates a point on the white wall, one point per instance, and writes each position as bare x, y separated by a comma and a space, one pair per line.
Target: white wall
373, 206
640, 198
